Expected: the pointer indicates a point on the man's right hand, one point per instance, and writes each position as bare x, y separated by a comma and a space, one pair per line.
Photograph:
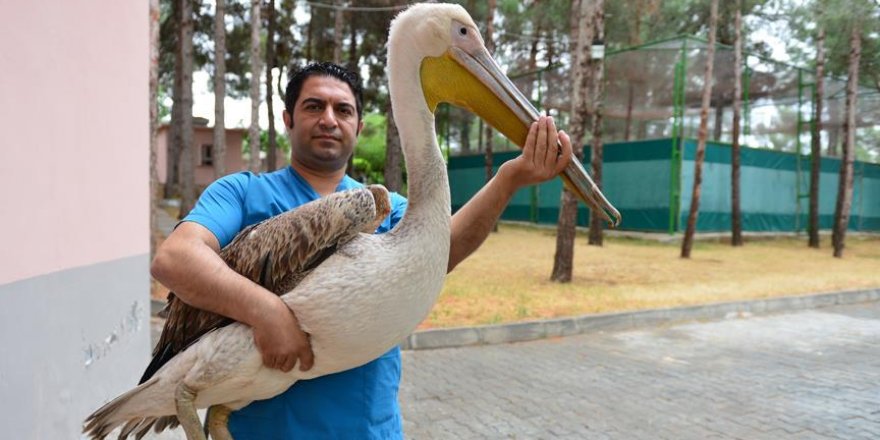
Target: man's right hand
281, 341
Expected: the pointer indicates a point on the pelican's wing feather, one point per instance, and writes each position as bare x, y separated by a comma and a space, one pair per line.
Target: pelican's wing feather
277, 253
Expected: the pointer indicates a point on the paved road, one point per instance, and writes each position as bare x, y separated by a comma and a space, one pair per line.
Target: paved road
806, 375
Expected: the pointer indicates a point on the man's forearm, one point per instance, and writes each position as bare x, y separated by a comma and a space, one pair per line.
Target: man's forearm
200, 278
473, 222
189, 263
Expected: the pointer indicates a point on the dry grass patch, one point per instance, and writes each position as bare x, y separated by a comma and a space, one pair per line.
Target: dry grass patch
507, 279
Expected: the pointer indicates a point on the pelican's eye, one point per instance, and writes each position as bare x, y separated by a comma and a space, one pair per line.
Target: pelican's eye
463, 31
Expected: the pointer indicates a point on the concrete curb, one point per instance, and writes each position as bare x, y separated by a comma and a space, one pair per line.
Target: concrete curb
532, 330
575, 325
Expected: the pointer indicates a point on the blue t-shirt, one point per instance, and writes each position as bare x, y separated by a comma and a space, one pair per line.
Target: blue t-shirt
360, 403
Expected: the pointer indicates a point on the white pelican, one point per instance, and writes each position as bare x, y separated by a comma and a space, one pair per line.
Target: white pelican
361, 300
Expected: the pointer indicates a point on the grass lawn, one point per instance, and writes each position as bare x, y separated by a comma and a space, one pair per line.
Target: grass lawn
506, 280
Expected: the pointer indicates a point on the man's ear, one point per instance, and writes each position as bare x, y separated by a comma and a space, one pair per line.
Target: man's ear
288, 120
360, 127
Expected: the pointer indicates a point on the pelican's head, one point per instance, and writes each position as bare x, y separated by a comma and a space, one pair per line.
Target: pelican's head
456, 68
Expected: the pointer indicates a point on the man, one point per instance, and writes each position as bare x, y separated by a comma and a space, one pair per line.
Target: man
323, 116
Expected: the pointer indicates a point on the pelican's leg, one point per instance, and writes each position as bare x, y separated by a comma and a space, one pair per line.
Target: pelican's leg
184, 400
218, 419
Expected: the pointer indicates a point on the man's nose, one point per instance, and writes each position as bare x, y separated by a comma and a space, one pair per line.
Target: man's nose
328, 118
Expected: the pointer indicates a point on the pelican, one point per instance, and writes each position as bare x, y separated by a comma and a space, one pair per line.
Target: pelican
355, 294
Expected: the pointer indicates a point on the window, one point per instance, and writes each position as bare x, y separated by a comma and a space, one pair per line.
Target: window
207, 154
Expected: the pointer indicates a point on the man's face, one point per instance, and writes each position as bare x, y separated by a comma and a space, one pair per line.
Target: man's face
325, 124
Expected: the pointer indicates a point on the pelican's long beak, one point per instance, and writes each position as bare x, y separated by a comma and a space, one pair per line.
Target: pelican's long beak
470, 78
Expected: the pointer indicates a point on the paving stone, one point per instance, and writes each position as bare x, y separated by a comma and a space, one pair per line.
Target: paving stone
812, 374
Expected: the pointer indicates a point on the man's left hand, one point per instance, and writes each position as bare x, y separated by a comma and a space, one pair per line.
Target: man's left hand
541, 159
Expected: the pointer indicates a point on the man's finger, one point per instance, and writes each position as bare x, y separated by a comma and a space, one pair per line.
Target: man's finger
565, 154
288, 364
541, 143
306, 360
269, 361
552, 151
528, 148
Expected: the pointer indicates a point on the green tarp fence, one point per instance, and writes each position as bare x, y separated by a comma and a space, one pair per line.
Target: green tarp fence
650, 182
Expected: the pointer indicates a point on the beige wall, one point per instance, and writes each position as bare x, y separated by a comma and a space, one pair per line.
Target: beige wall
74, 116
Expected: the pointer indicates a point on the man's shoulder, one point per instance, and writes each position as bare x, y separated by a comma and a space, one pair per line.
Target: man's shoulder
273, 181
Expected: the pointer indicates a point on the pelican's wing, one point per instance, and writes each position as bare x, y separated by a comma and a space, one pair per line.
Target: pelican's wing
277, 253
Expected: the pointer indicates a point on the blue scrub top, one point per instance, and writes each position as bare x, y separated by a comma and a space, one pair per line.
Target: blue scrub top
360, 403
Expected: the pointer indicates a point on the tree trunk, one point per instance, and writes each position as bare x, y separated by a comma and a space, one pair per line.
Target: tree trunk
256, 65
719, 120
467, 120
490, 46
581, 36
352, 63
816, 144
352, 43
154, 115
187, 150
272, 149
172, 159
845, 183
627, 126
635, 25
393, 154
736, 238
529, 86
338, 22
218, 151
688, 241
598, 88
834, 127
309, 42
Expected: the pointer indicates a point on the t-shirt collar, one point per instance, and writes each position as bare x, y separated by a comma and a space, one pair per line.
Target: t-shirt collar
345, 184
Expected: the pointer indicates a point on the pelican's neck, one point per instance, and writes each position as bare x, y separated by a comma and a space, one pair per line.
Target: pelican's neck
428, 183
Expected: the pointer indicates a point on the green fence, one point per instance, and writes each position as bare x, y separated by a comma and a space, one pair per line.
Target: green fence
650, 183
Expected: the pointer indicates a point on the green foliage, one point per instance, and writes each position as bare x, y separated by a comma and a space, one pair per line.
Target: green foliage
529, 35
633, 22
280, 138
838, 17
164, 109
369, 154
203, 31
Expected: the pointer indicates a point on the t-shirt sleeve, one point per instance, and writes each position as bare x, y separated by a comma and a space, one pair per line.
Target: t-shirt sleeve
398, 208
221, 207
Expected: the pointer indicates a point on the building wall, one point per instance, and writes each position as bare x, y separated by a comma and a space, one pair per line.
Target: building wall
204, 174
74, 282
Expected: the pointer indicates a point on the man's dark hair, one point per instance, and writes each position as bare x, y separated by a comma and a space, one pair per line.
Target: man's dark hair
294, 87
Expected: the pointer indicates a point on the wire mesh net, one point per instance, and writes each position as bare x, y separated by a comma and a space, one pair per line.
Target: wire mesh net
654, 91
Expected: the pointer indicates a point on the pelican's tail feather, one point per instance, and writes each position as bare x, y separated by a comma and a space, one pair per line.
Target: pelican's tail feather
133, 411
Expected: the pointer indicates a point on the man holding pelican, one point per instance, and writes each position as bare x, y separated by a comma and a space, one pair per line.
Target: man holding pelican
323, 117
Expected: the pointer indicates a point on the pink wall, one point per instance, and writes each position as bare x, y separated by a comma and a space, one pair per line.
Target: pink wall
74, 174
205, 135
